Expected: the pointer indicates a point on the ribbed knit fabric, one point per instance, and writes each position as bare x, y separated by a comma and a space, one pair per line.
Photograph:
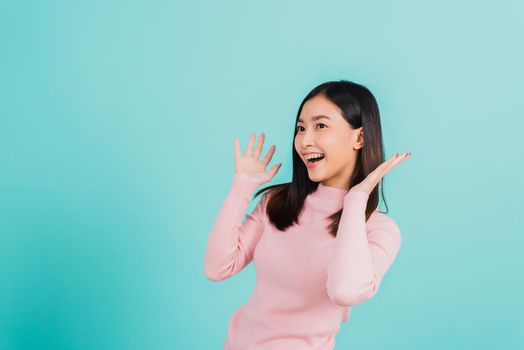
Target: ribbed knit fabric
306, 279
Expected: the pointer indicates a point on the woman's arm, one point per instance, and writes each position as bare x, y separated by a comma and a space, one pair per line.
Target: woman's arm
231, 243
363, 253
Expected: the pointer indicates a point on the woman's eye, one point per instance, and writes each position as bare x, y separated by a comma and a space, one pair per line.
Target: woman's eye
298, 127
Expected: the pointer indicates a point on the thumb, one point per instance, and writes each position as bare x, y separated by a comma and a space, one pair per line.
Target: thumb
274, 169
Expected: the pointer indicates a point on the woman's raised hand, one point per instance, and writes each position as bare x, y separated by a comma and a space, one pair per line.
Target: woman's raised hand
249, 166
373, 178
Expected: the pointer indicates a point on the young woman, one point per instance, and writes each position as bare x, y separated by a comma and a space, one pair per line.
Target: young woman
319, 243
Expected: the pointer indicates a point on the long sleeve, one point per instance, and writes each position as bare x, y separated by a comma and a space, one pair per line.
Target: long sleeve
362, 254
231, 243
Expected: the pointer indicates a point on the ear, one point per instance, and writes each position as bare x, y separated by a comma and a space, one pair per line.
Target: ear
359, 143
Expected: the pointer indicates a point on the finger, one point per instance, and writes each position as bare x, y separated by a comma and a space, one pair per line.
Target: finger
249, 148
382, 169
402, 158
260, 144
396, 161
273, 170
237, 149
269, 155
390, 162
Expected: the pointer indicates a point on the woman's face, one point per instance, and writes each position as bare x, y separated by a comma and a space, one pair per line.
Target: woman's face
321, 128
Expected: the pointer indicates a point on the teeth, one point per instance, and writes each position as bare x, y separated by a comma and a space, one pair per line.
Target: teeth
314, 155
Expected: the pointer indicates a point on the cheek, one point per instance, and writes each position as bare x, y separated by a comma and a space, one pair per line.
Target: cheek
338, 153
298, 141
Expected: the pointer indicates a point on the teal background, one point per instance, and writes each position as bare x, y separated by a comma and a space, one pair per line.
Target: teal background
117, 122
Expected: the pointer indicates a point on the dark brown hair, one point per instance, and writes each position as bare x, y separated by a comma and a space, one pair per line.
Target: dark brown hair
359, 108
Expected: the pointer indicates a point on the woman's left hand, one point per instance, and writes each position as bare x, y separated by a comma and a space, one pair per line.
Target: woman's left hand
369, 183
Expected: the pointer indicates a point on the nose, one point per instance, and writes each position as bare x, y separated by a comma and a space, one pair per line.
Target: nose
307, 139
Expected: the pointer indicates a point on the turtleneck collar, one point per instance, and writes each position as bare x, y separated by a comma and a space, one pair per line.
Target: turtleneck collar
329, 197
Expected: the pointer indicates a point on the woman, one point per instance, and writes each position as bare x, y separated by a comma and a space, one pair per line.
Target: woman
319, 243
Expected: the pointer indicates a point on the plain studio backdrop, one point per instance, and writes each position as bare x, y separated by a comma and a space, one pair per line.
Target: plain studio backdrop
117, 122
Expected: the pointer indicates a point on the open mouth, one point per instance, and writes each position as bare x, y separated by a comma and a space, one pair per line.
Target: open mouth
315, 160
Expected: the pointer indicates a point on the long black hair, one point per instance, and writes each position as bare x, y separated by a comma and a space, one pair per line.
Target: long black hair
359, 108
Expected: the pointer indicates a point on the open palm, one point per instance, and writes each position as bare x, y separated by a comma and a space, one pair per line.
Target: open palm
373, 178
249, 166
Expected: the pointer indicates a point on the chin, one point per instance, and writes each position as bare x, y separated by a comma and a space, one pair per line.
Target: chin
316, 177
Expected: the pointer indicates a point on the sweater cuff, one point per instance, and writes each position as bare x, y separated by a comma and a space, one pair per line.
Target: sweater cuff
356, 198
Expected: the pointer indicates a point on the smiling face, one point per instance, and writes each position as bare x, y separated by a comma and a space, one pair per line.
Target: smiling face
321, 128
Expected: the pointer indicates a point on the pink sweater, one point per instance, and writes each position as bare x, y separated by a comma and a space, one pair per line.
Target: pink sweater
306, 279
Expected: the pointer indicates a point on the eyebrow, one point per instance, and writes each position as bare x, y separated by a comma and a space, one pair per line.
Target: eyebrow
317, 117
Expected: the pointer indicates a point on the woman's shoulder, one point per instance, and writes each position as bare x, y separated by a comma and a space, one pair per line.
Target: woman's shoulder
383, 221
380, 216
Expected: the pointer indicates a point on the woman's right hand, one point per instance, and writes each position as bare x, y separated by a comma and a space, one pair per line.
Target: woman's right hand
249, 167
